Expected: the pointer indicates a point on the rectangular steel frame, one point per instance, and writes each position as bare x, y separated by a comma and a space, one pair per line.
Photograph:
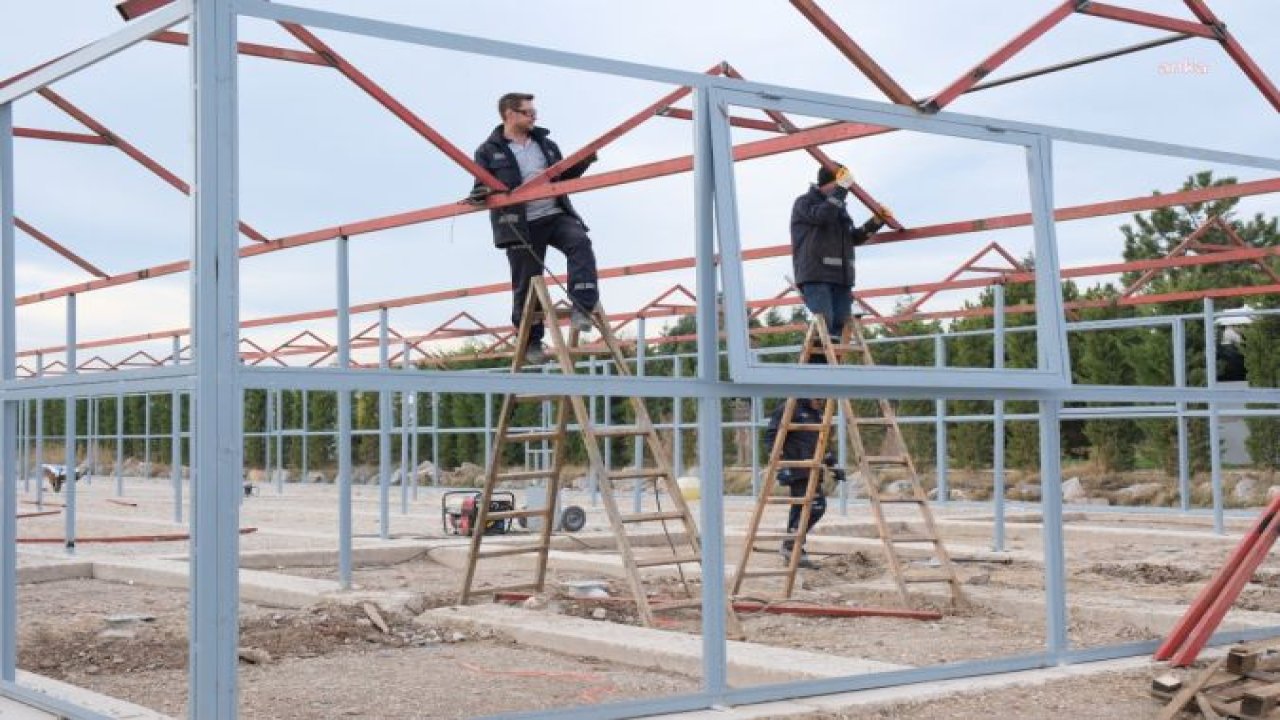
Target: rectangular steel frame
217, 381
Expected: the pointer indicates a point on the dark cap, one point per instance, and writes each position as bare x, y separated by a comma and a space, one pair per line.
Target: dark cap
825, 175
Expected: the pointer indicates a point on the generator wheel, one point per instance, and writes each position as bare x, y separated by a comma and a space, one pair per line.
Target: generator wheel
573, 518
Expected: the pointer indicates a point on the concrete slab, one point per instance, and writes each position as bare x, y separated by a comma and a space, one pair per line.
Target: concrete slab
53, 571
14, 710
264, 588
101, 704
749, 663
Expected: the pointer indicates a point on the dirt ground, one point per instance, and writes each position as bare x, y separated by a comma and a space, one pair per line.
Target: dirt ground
1114, 696
325, 661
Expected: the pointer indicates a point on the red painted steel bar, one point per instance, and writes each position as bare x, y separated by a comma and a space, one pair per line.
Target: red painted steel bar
618, 131
396, 108
132, 151
59, 136
1237, 52
58, 248
1115, 207
734, 120
169, 37
856, 55
1152, 20
999, 57
133, 9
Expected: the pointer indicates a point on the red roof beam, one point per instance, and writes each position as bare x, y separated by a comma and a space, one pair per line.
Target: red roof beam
1152, 20
58, 248
170, 37
393, 105
1115, 207
999, 57
59, 136
133, 152
734, 120
1237, 52
856, 55
616, 132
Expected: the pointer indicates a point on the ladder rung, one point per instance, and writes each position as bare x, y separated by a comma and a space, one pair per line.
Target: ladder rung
766, 573
524, 474
803, 427
887, 459
503, 588
585, 351
647, 516
668, 560
620, 431
799, 463
775, 536
532, 436
927, 578
509, 514
910, 538
901, 500
783, 500
503, 552
637, 473
675, 605
874, 421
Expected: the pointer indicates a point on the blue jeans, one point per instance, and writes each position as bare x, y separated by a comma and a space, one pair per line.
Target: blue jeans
830, 300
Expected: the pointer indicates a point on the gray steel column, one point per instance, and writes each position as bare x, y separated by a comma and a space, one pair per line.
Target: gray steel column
842, 454
754, 415
120, 445
677, 423
175, 442
488, 427
1180, 380
413, 434
218, 398
24, 468
306, 438
8, 411
268, 424
384, 435
278, 429
997, 428
1215, 431
39, 437
637, 454
435, 439
90, 434
593, 478
940, 425
69, 432
146, 435
343, 316
707, 142
405, 471
1055, 575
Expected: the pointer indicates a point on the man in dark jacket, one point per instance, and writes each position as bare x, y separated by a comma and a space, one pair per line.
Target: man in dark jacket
516, 152
822, 240
800, 445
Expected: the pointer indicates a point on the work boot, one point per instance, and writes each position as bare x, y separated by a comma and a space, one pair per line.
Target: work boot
581, 321
536, 354
804, 562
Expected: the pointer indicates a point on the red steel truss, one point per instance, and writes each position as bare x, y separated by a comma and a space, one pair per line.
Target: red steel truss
678, 300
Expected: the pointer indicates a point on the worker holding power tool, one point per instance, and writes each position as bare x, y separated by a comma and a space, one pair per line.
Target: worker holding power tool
822, 240
517, 151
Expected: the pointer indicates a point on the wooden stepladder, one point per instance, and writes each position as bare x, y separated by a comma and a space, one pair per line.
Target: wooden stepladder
670, 514
880, 427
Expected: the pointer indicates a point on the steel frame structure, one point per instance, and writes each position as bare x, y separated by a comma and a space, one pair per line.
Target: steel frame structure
215, 379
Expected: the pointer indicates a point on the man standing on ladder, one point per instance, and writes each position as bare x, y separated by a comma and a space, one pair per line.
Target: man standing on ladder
822, 240
801, 445
517, 151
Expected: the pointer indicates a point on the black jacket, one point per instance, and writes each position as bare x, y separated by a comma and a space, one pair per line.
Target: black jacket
823, 237
799, 444
494, 155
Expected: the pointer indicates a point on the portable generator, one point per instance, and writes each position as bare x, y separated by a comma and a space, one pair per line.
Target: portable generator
460, 511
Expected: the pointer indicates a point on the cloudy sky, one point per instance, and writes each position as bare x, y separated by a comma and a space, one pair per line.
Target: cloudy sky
316, 151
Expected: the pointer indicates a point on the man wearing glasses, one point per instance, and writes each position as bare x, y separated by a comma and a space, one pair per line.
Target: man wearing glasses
516, 152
